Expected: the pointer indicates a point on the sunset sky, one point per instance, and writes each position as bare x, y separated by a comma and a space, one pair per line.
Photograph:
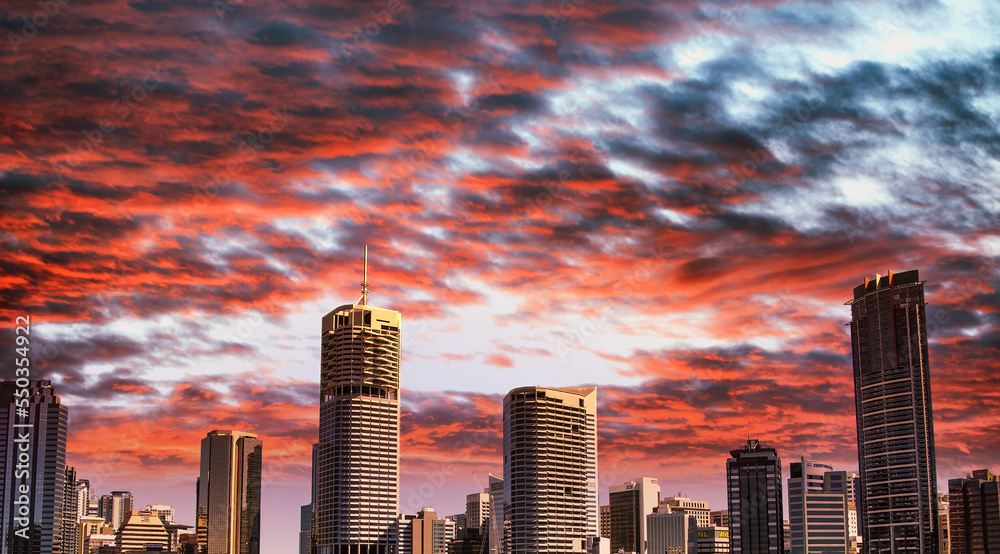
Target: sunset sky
669, 200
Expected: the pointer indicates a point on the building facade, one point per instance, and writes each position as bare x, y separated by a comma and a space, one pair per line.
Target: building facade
477, 510
115, 508
974, 513
305, 528
550, 469
819, 514
713, 539
228, 493
142, 528
756, 510
630, 503
892, 391
672, 534
357, 496
33, 425
684, 505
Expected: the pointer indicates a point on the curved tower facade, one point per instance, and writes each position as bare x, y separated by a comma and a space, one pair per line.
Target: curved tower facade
550, 469
357, 496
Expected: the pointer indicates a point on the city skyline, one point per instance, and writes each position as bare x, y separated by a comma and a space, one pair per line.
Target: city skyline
668, 201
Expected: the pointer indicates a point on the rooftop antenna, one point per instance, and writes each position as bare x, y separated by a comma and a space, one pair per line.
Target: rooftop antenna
364, 284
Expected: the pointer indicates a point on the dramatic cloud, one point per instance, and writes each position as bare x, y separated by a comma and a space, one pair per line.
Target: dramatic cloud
671, 201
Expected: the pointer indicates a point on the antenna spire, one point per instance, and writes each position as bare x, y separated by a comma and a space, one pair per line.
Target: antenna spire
364, 284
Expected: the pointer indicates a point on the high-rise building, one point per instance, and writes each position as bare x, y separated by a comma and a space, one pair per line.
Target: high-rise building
630, 504
71, 514
892, 393
403, 531
141, 529
430, 534
83, 493
33, 440
228, 497
684, 505
604, 523
719, 518
550, 469
755, 500
89, 525
165, 512
357, 500
672, 533
819, 500
305, 528
115, 508
477, 509
974, 513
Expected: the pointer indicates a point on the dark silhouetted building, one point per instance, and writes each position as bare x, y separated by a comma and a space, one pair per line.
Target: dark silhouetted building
756, 514
892, 394
33, 443
974, 513
228, 500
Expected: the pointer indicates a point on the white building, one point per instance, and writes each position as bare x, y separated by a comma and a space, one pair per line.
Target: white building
672, 534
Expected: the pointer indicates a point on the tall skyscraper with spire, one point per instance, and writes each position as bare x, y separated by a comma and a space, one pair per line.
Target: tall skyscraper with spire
357, 496
892, 394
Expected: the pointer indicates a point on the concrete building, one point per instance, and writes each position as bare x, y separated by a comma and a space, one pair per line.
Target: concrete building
672, 534
684, 505
165, 512
141, 529
357, 501
755, 500
33, 437
713, 539
719, 518
90, 525
974, 513
819, 500
630, 504
550, 469
477, 509
605, 521
115, 508
228, 493
71, 513
892, 391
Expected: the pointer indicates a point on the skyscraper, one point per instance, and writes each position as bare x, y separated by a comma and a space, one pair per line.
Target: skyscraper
70, 512
974, 513
33, 440
115, 508
357, 497
630, 504
819, 501
892, 394
477, 509
228, 498
550, 469
756, 523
